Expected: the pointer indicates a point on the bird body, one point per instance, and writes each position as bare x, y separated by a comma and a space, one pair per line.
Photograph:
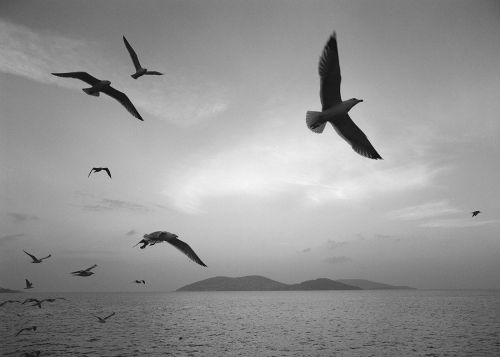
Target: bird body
102, 86
99, 169
475, 213
35, 259
164, 236
140, 282
29, 284
334, 110
84, 272
139, 70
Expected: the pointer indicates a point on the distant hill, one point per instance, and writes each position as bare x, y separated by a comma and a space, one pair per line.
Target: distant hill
3, 290
372, 285
261, 283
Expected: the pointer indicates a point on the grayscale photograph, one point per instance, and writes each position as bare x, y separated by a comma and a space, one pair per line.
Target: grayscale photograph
249, 178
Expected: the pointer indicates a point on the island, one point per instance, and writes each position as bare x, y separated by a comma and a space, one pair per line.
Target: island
261, 283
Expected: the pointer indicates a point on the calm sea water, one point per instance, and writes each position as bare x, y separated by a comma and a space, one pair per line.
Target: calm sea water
329, 323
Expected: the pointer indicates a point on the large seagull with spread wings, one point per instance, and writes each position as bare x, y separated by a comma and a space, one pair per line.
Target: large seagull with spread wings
334, 110
102, 86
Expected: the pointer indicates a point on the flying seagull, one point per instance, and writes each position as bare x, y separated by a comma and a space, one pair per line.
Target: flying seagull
334, 110
32, 328
84, 272
139, 71
31, 354
8, 302
102, 86
98, 169
163, 236
35, 259
475, 213
103, 319
139, 281
29, 284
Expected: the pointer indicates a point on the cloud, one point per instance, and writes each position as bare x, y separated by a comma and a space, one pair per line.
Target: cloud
22, 217
307, 250
458, 223
107, 204
337, 260
181, 99
423, 211
331, 244
131, 232
10, 238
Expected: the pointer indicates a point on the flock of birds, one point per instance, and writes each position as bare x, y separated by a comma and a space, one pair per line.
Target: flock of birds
334, 111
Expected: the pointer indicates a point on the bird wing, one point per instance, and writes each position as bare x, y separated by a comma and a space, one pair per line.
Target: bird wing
92, 267
154, 73
329, 73
90, 172
83, 76
107, 317
21, 330
31, 255
107, 170
48, 256
350, 132
28, 283
132, 54
123, 99
186, 249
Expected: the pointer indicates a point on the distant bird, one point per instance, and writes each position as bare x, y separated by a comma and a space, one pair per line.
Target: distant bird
103, 319
30, 300
163, 236
139, 281
98, 169
103, 86
32, 328
31, 354
29, 284
139, 71
85, 272
8, 302
475, 213
35, 259
334, 110
39, 303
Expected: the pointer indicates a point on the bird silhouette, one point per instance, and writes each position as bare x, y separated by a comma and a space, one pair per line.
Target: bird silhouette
29, 284
8, 302
139, 281
164, 236
102, 86
334, 110
98, 169
475, 213
139, 71
32, 328
84, 272
35, 259
103, 319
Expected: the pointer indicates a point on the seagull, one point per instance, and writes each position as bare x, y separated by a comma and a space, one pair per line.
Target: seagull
103, 319
104, 87
139, 282
8, 302
32, 328
334, 110
163, 236
85, 272
97, 169
139, 71
475, 213
31, 354
29, 284
30, 300
35, 259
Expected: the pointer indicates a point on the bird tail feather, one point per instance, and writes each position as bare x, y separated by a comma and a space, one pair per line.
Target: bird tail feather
135, 75
314, 122
89, 92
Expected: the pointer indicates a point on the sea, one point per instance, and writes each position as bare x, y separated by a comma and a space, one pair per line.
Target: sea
273, 323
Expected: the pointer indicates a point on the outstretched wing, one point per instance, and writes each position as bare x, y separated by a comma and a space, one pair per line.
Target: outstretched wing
31, 255
21, 330
132, 54
350, 132
83, 76
90, 172
123, 99
48, 256
154, 73
107, 317
28, 283
107, 170
186, 249
329, 73
92, 267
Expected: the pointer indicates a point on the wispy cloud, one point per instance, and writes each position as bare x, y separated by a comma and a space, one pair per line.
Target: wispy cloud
458, 223
331, 244
131, 232
337, 260
10, 238
107, 204
180, 99
307, 250
22, 217
423, 211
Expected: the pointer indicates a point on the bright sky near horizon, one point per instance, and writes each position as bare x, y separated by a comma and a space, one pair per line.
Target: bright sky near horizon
224, 158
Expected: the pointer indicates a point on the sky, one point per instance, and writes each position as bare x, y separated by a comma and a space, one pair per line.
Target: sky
224, 159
